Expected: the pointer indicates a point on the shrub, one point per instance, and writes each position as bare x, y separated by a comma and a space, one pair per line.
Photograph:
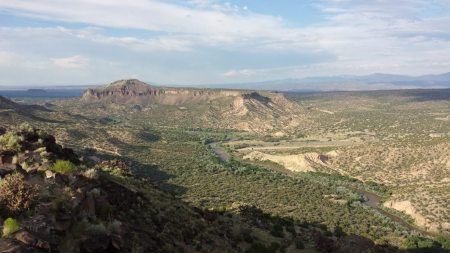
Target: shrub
444, 241
10, 226
26, 128
10, 141
420, 244
16, 195
63, 167
92, 173
247, 235
277, 231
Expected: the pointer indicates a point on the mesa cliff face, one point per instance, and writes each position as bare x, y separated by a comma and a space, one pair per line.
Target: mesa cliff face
122, 88
133, 91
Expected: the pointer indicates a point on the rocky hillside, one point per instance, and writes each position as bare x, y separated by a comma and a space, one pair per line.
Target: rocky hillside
12, 112
237, 109
122, 91
52, 200
6, 103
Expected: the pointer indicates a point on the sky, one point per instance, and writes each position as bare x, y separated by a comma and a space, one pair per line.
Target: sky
82, 42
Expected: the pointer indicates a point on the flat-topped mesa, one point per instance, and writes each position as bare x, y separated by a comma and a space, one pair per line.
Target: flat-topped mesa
133, 91
122, 88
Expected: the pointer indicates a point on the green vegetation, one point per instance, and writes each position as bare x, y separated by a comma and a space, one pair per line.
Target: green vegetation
444, 242
395, 145
64, 167
10, 226
10, 141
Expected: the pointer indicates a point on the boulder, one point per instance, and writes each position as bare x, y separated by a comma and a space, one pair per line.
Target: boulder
61, 179
12, 246
31, 240
4, 171
7, 157
96, 243
49, 174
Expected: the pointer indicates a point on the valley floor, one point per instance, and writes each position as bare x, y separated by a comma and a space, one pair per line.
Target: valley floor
396, 146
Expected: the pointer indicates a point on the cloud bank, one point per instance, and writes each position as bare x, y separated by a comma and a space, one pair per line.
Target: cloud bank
207, 41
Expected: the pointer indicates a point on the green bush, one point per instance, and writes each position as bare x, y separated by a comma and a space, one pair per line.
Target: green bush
10, 141
277, 231
10, 226
420, 244
64, 167
444, 241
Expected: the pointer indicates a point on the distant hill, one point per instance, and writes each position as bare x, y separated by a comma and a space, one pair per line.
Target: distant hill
6, 103
376, 81
36, 91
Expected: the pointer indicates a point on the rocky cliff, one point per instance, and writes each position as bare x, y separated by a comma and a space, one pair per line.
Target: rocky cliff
133, 91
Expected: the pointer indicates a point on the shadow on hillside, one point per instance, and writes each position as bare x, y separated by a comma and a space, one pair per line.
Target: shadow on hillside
149, 171
308, 236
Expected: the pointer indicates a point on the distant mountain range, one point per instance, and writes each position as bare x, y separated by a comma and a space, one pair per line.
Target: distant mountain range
377, 81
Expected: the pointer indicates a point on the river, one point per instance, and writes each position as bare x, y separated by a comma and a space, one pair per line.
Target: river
371, 199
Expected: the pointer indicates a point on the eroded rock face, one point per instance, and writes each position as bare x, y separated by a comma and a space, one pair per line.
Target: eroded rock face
133, 91
298, 162
122, 88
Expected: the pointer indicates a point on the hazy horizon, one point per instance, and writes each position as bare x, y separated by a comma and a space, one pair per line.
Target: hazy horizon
310, 83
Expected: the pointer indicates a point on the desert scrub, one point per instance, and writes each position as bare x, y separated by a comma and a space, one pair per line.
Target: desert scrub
10, 141
10, 226
64, 167
16, 195
92, 173
25, 128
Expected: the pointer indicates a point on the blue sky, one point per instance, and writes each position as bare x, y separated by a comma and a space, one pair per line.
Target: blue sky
70, 42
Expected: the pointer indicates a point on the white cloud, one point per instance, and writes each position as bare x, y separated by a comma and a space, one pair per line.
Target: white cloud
359, 36
72, 62
6, 58
243, 72
168, 43
148, 15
